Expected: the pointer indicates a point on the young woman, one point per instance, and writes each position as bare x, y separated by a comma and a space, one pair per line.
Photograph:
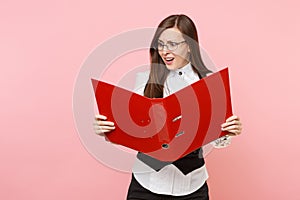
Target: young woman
175, 63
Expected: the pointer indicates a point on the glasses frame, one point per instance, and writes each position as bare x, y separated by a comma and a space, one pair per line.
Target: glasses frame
167, 45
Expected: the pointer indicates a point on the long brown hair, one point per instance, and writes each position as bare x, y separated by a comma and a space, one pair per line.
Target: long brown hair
158, 70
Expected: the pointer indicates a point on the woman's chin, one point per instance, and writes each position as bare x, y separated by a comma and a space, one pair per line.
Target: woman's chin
175, 65
171, 67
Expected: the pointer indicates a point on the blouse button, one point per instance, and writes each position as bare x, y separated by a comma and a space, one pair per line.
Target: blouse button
180, 73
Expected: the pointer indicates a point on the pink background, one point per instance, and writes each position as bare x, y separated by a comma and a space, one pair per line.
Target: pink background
43, 45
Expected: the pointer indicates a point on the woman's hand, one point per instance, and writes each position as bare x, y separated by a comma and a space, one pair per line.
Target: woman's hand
233, 125
102, 126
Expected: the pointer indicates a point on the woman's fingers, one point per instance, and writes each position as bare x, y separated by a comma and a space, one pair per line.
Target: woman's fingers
99, 131
100, 120
100, 117
233, 117
104, 127
235, 129
103, 123
101, 126
232, 125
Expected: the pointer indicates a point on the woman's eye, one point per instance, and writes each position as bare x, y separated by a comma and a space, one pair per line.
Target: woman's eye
172, 44
160, 45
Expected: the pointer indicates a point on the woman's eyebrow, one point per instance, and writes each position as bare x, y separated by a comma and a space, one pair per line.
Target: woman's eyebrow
168, 41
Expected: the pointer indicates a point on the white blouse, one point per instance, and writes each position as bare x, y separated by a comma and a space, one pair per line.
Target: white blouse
170, 180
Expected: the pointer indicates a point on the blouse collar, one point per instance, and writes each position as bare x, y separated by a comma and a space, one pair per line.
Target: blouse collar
187, 69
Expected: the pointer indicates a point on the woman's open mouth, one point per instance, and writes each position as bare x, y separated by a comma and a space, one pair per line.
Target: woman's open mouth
169, 60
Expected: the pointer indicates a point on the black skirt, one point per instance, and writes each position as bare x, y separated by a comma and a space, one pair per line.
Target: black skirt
138, 192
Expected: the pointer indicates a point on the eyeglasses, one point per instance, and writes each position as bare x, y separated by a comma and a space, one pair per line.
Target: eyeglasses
172, 46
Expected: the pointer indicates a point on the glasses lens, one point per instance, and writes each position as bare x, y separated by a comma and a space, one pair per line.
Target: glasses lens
160, 46
172, 46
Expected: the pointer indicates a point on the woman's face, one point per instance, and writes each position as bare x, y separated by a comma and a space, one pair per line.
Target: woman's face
174, 59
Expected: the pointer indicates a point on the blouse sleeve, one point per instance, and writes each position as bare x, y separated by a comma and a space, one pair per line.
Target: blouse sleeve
222, 142
140, 82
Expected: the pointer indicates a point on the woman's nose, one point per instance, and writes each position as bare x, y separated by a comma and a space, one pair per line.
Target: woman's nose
165, 49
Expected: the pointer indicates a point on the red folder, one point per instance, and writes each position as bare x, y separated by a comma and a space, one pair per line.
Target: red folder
171, 127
